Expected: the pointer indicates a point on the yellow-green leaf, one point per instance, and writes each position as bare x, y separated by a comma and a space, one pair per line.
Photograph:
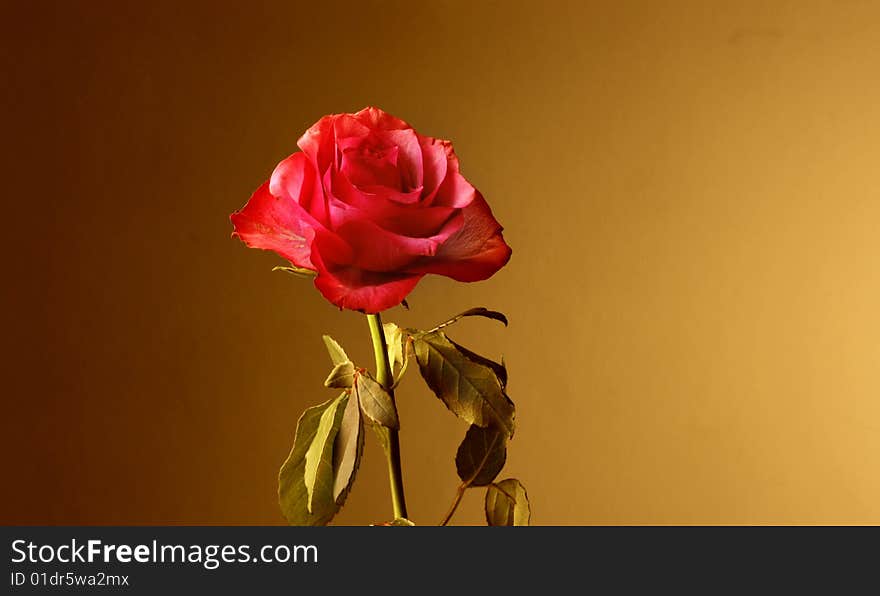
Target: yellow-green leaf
507, 504
292, 494
337, 354
325, 434
394, 338
499, 369
470, 389
347, 449
341, 377
481, 455
375, 401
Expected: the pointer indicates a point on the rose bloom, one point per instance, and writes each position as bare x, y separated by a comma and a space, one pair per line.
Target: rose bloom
371, 206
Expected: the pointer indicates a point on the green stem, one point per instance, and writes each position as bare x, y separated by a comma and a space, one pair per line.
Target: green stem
390, 437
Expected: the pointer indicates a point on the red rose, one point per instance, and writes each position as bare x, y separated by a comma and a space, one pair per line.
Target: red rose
372, 206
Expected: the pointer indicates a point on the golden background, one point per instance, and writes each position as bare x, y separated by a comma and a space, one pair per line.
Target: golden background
690, 190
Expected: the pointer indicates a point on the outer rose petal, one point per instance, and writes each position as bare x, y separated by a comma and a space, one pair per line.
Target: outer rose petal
376, 118
364, 291
347, 126
473, 253
319, 142
353, 288
277, 224
450, 155
455, 191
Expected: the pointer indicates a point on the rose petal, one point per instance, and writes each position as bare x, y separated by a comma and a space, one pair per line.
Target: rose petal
377, 249
365, 291
451, 157
276, 224
370, 204
454, 192
296, 177
409, 160
319, 142
417, 222
370, 165
383, 193
378, 119
473, 253
345, 202
434, 166
353, 288
348, 203
347, 126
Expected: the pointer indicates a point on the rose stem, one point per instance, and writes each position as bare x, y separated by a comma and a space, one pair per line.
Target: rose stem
391, 440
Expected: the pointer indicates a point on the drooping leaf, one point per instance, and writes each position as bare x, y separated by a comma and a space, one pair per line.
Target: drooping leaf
341, 377
292, 494
347, 449
325, 435
337, 354
471, 390
394, 338
297, 271
400, 521
507, 504
474, 312
481, 455
375, 401
499, 369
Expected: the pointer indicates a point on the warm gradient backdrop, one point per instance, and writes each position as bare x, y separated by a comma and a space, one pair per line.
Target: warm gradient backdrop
691, 191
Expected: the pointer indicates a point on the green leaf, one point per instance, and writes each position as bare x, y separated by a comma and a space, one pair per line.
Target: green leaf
341, 377
507, 504
394, 338
499, 369
292, 493
337, 354
347, 450
481, 455
298, 271
375, 401
474, 312
471, 390
322, 443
